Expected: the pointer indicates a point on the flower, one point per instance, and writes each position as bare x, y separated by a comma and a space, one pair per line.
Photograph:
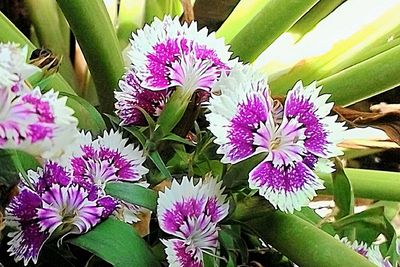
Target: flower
13, 67
190, 213
40, 124
167, 54
52, 203
107, 159
372, 252
133, 97
246, 121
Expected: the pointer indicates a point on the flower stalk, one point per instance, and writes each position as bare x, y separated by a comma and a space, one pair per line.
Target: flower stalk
303, 243
369, 184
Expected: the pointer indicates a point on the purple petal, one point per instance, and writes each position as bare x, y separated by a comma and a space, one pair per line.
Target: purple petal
27, 243
286, 187
24, 206
180, 254
133, 95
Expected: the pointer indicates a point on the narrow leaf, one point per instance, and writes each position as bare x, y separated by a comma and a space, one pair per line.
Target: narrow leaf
44, 16
342, 192
88, 116
117, 243
99, 45
271, 21
157, 160
177, 138
134, 194
366, 79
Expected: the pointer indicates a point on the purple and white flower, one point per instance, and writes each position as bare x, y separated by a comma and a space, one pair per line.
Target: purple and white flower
40, 124
167, 54
51, 204
246, 121
109, 158
13, 67
372, 252
133, 97
190, 212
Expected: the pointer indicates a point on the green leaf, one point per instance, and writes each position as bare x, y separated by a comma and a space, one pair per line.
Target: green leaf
118, 244
172, 112
232, 241
269, 23
342, 192
311, 216
95, 34
177, 138
135, 131
9, 171
88, 116
157, 160
313, 17
155, 8
134, 194
130, 17
368, 78
45, 19
374, 220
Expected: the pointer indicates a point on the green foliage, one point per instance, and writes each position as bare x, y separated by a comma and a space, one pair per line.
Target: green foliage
99, 45
117, 243
134, 194
267, 26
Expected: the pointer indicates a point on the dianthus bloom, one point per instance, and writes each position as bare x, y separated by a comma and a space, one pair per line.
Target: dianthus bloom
190, 213
246, 122
13, 67
163, 55
51, 204
40, 124
109, 158
372, 252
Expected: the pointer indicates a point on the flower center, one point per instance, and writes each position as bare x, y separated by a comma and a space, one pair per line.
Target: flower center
275, 143
68, 215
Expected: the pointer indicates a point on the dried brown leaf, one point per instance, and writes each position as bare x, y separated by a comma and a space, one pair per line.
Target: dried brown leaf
143, 226
389, 122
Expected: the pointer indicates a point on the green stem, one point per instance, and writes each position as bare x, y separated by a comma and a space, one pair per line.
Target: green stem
267, 26
303, 243
95, 33
370, 184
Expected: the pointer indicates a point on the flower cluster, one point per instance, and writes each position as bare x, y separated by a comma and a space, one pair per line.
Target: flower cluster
50, 202
106, 159
293, 137
372, 252
69, 196
163, 55
40, 124
190, 213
